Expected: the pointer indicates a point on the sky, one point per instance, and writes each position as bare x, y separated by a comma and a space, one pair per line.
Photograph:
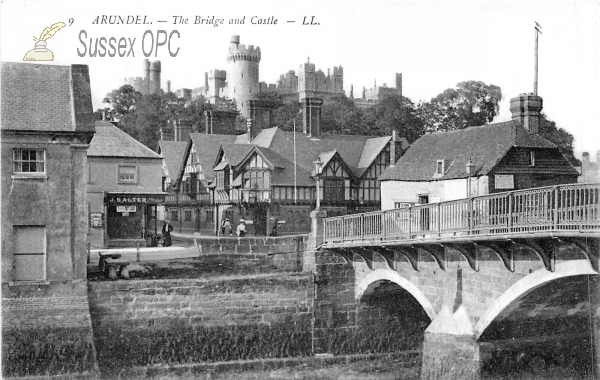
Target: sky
434, 44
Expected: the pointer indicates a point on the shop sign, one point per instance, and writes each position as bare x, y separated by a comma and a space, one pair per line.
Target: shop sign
127, 209
504, 181
96, 219
131, 199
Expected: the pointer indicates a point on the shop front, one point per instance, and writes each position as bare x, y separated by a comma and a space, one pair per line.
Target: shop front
131, 218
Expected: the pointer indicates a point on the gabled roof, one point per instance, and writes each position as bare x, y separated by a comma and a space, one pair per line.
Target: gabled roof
110, 141
173, 153
207, 146
46, 97
485, 145
234, 153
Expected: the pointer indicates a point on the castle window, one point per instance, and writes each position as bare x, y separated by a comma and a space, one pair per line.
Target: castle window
531, 158
29, 161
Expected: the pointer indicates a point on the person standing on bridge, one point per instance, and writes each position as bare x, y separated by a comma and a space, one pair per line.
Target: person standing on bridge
166, 233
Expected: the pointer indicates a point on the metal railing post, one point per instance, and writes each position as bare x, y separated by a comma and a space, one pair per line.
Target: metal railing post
343, 225
510, 211
439, 219
470, 213
555, 222
383, 225
409, 221
362, 227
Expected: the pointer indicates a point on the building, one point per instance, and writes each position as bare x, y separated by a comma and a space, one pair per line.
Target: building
590, 171
150, 82
190, 204
477, 161
374, 95
47, 124
124, 189
267, 176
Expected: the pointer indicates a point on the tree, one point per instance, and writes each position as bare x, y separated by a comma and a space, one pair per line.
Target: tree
559, 137
122, 101
471, 103
394, 113
339, 115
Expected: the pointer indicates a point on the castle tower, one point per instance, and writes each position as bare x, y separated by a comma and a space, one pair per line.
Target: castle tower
306, 80
399, 83
146, 78
242, 74
338, 79
154, 83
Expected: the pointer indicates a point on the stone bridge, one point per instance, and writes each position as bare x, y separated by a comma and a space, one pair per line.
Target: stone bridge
473, 273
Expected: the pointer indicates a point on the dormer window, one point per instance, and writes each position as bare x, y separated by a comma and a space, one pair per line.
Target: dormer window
531, 158
440, 167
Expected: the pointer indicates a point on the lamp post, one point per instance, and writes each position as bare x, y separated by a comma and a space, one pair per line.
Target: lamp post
470, 168
318, 167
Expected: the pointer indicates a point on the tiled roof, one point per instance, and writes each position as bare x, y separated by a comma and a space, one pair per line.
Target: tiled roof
350, 148
46, 97
110, 141
485, 145
173, 153
207, 146
235, 153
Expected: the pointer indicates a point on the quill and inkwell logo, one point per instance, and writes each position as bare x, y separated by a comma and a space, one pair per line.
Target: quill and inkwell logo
40, 52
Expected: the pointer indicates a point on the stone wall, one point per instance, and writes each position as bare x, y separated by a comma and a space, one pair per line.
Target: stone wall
195, 321
42, 325
284, 252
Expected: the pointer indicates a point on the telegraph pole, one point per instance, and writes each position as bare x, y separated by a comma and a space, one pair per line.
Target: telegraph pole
535, 80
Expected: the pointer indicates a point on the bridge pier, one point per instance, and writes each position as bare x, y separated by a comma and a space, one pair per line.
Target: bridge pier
450, 350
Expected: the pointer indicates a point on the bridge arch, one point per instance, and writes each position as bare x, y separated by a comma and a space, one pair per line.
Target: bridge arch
529, 282
379, 275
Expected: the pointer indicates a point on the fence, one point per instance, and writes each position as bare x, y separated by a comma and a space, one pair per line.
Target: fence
564, 207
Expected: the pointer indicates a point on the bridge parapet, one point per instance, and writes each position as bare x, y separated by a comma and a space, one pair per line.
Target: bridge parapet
574, 207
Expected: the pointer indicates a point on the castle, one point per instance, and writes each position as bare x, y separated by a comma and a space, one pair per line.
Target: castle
240, 82
150, 82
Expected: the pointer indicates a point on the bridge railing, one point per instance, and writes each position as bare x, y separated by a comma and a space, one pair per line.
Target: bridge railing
564, 207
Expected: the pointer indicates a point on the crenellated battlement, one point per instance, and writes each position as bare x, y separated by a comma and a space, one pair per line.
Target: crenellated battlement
217, 74
243, 53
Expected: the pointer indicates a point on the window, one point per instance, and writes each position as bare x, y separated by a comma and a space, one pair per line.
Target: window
210, 215
439, 167
531, 158
174, 215
127, 174
187, 215
29, 161
30, 253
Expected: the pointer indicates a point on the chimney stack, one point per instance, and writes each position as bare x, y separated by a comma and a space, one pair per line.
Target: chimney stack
220, 122
393, 149
167, 132
526, 109
259, 116
585, 163
182, 130
311, 116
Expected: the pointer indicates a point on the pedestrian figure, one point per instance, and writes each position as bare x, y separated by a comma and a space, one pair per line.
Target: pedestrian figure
226, 227
241, 228
166, 233
274, 230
